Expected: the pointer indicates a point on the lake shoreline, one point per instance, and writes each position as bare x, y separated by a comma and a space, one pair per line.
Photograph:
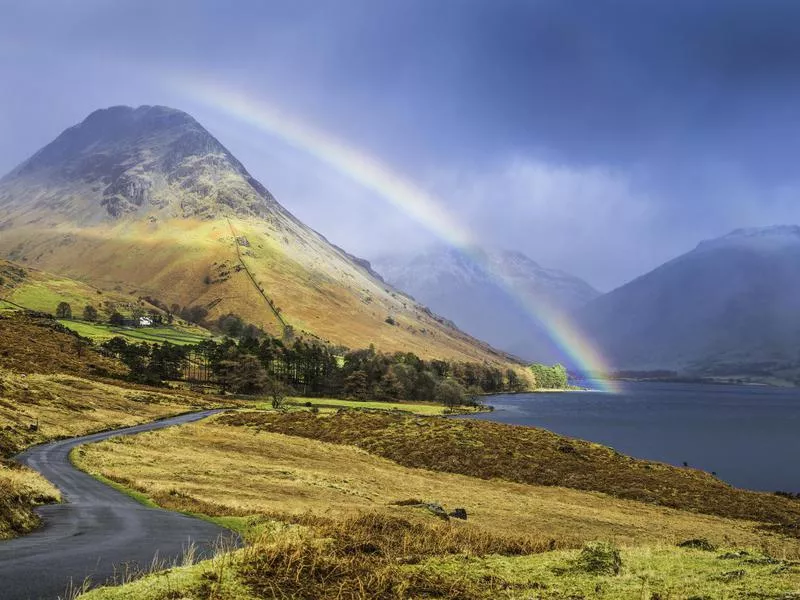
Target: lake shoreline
697, 425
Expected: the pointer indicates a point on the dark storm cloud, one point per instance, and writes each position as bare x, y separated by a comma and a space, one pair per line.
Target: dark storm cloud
682, 115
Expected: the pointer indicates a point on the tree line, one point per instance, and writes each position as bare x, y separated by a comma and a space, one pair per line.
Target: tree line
262, 365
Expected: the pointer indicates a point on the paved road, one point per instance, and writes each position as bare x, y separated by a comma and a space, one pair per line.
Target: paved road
97, 531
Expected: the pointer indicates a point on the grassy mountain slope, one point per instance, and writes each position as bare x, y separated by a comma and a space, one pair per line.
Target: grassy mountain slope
34, 290
147, 202
39, 291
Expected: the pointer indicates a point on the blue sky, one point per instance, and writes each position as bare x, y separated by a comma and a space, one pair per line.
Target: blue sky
598, 136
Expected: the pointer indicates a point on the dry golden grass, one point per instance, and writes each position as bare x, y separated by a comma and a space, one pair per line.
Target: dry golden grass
20, 491
318, 291
40, 345
374, 556
527, 455
223, 470
47, 390
39, 407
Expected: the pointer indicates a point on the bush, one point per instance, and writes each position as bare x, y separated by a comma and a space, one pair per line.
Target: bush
599, 558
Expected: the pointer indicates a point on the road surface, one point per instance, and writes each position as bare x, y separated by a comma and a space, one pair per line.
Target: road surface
97, 532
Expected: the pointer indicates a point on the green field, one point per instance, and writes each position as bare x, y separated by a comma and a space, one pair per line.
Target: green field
101, 332
418, 409
45, 295
6, 307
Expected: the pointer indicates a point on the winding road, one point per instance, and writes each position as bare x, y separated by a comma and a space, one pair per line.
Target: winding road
97, 532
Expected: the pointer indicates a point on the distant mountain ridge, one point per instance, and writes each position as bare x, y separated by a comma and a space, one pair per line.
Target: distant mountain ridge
146, 201
730, 306
492, 302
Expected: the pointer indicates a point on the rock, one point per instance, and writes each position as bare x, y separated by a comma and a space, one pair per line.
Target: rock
459, 513
732, 575
438, 510
698, 544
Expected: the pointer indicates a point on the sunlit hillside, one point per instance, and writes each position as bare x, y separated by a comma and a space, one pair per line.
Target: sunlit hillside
148, 203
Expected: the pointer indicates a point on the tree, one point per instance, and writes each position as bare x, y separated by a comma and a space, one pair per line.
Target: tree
243, 374
167, 361
391, 388
231, 325
116, 319
276, 390
554, 377
63, 311
450, 393
355, 386
90, 313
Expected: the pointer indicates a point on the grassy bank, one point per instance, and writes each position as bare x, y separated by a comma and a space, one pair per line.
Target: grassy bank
304, 564
530, 456
331, 520
20, 491
221, 470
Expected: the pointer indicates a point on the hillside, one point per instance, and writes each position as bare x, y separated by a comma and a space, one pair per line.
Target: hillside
50, 388
338, 505
728, 307
146, 201
491, 302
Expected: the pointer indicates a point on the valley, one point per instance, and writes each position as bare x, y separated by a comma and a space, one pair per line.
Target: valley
309, 404
344, 493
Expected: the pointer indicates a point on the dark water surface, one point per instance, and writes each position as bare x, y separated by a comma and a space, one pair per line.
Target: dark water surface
749, 435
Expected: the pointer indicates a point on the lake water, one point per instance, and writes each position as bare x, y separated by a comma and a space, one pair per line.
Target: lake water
750, 436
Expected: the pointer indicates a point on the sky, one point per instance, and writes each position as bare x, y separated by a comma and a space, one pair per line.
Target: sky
601, 137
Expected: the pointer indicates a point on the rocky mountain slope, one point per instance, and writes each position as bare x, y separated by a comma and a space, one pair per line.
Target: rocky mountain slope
490, 298
730, 306
146, 201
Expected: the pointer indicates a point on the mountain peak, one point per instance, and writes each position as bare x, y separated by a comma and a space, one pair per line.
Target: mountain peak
754, 238
771, 231
134, 162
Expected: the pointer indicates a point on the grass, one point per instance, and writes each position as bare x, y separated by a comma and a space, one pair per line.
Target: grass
410, 407
40, 407
40, 291
49, 387
654, 572
318, 290
224, 471
38, 345
370, 556
102, 331
526, 455
330, 520
20, 491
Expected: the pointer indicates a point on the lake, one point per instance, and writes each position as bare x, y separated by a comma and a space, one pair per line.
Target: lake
750, 436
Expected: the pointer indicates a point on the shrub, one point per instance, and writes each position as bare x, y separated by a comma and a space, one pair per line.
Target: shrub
599, 558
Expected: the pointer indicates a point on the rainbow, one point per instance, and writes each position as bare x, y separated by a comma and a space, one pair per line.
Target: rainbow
404, 194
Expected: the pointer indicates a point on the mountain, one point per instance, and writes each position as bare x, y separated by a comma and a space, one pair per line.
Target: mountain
488, 297
148, 202
730, 306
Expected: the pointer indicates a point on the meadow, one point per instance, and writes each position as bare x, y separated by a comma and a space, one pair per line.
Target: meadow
100, 332
417, 408
333, 520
